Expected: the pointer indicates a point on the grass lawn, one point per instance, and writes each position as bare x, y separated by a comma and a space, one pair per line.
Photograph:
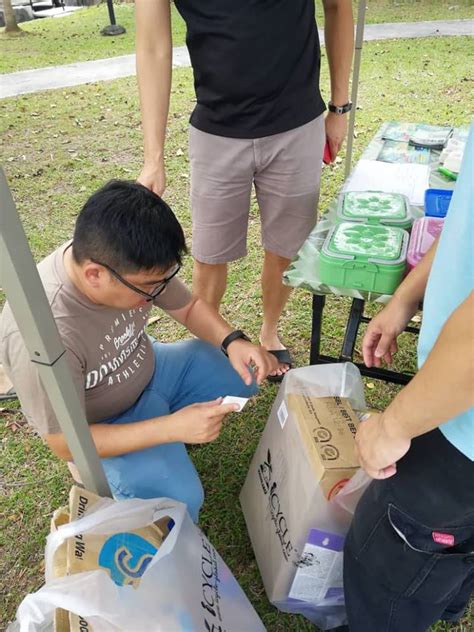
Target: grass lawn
60, 146
76, 37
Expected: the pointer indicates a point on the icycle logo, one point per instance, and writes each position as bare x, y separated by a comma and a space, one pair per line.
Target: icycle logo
265, 473
210, 588
270, 489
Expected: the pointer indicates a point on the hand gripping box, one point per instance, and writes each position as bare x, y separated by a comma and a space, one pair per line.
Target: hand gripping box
305, 455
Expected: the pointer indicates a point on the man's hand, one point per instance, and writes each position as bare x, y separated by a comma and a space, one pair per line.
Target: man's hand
378, 449
380, 340
336, 131
243, 354
200, 423
153, 176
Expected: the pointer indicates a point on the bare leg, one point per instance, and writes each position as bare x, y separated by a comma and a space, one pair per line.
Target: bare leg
209, 281
275, 296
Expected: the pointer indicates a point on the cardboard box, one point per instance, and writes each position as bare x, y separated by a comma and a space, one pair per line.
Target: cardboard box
328, 426
305, 455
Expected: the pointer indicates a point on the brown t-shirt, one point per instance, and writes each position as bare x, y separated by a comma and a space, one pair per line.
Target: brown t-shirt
110, 356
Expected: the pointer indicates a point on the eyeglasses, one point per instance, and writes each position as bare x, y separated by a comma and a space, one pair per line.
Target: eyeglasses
150, 296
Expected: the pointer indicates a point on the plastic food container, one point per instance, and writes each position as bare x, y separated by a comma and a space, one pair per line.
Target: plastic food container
437, 202
364, 256
375, 207
424, 232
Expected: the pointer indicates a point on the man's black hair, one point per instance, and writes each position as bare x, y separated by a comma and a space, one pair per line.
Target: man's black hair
128, 227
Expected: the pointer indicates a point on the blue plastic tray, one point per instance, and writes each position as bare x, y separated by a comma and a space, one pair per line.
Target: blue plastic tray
437, 202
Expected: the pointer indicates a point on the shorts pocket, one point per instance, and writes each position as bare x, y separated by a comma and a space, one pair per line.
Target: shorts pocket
413, 560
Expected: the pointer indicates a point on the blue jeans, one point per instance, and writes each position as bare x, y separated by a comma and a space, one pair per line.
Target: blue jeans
185, 373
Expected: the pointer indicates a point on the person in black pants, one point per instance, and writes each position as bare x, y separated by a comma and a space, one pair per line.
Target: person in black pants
409, 555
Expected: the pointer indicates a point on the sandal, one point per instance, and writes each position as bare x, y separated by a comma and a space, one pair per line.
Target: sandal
284, 357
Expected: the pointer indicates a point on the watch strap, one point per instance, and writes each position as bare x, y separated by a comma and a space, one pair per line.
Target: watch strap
234, 335
340, 109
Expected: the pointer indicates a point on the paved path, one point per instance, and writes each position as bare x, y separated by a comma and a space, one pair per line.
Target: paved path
28, 81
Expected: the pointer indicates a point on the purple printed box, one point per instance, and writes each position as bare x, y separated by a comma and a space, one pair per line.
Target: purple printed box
318, 579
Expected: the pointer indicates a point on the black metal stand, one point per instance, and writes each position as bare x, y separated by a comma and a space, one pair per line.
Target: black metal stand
356, 317
113, 28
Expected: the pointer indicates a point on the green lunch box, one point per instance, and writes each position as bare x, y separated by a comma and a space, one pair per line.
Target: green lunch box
374, 207
364, 257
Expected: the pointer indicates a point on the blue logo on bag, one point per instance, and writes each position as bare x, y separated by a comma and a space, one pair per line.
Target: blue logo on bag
126, 556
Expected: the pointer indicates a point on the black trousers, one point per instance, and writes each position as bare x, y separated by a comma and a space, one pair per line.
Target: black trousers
409, 555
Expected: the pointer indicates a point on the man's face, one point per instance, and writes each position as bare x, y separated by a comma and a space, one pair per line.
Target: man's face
127, 290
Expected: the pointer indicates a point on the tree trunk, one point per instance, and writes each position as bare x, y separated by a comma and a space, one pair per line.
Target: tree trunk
10, 20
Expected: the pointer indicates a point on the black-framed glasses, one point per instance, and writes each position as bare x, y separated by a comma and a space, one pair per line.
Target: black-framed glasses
150, 296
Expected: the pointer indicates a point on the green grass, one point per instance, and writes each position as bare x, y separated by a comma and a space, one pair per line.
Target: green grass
76, 37
59, 146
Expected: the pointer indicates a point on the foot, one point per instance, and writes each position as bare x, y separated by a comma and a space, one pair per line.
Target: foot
271, 342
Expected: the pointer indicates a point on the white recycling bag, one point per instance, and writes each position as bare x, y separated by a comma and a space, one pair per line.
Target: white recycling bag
185, 587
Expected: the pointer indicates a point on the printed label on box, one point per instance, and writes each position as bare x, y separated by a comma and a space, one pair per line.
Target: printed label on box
319, 576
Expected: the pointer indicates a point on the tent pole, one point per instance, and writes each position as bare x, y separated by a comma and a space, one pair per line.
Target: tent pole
359, 40
26, 296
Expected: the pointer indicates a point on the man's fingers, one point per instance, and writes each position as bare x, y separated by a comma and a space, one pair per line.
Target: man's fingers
383, 347
213, 402
386, 472
369, 343
222, 410
259, 374
334, 147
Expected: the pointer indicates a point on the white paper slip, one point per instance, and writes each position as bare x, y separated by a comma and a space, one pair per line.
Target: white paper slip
230, 399
411, 180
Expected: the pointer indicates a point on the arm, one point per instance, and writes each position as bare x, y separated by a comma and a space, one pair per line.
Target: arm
202, 320
380, 340
339, 38
154, 58
198, 423
440, 390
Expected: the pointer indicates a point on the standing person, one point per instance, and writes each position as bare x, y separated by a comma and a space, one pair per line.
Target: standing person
409, 555
258, 120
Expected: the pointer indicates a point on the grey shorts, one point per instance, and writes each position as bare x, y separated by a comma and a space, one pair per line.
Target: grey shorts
285, 170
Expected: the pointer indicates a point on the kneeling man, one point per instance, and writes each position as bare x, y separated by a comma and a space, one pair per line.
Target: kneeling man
143, 399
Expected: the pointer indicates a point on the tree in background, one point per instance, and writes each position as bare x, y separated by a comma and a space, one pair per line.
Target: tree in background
11, 27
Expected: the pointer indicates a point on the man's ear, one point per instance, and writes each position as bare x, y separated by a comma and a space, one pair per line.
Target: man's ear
94, 274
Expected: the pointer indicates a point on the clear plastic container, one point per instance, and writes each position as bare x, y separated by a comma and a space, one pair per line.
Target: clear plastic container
375, 207
364, 256
424, 232
437, 202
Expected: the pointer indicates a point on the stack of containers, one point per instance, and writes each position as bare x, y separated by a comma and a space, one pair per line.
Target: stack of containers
427, 229
367, 248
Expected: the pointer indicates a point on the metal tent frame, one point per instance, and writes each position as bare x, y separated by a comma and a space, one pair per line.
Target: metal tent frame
20, 279
25, 293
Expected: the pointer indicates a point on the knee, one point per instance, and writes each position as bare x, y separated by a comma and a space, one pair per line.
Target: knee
193, 497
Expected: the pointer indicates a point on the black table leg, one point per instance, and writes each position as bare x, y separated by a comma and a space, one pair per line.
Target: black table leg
352, 329
356, 317
316, 325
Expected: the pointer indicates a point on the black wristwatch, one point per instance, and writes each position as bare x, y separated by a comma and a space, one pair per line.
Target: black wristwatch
234, 335
340, 109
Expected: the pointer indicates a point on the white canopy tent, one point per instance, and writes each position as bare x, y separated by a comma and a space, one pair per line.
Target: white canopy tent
20, 280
